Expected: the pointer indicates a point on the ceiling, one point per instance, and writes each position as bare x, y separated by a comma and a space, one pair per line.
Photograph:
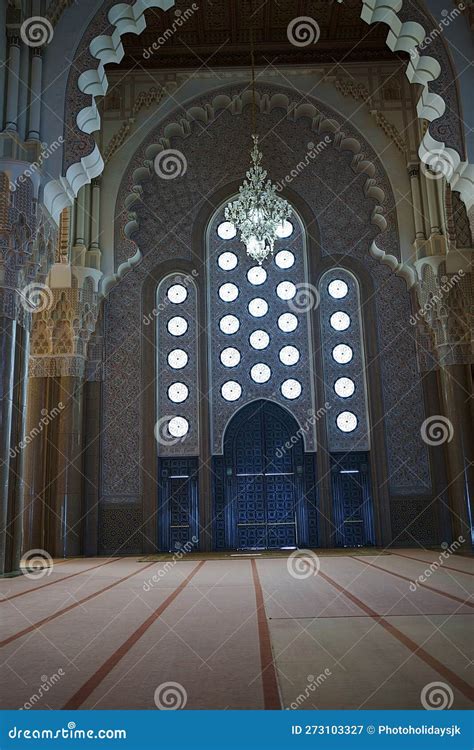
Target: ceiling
217, 34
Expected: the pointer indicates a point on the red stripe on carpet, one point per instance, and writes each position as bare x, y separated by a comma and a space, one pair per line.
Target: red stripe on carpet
410, 580
430, 562
92, 683
417, 650
59, 580
60, 612
271, 696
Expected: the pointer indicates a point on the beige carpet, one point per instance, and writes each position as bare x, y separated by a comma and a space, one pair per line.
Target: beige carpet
238, 633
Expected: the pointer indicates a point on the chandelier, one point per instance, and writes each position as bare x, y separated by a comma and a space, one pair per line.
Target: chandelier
258, 212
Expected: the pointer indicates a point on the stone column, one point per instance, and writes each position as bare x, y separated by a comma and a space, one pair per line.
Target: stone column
13, 84
93, 256
35, 100
456, 390
92, 409
14, 344
79, 247
414, 173
36, 479
66, 478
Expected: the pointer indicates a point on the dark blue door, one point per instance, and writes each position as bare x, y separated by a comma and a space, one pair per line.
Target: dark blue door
262, 479
179, 501
352, 500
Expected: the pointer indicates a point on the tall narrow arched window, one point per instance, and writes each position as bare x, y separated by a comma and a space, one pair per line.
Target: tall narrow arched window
345, 385
177, 425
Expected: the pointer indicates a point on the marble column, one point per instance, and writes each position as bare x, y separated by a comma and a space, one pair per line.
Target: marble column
35, 100
414, 173
14, 342
13, 84
65, 520
456, 389
36, 477
92, 409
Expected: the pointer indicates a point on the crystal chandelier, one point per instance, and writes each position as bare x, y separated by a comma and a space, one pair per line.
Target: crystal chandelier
258, 212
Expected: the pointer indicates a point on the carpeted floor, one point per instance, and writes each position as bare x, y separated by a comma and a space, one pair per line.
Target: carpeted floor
344, 631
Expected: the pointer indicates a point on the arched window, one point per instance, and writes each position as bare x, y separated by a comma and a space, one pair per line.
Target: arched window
259, 319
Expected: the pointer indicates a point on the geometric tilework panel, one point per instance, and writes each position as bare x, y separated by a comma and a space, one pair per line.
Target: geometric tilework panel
414, 521
119, 529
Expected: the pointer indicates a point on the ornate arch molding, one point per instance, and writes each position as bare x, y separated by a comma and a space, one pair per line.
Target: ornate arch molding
320, 124
125, 18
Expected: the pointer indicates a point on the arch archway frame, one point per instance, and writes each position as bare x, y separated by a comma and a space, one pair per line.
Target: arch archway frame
321, 125
402, 36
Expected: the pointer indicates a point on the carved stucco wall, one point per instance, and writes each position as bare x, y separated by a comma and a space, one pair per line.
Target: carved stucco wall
217, 154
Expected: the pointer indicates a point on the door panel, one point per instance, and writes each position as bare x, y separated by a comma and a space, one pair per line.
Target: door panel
352, 500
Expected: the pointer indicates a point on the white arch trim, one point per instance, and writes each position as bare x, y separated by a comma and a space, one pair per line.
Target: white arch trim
235, 105
402, 36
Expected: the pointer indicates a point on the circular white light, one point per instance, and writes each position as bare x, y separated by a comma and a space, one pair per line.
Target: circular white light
344, 387
257, 275
260, 373
287, 322
259, 339
342, 353
227, 261
177, 293
284, 230
286, 290
284, 259
229, 324
177, 326
337, 288
230, 357
177, 359
346, 421
258, 307
289, 355
340, 321
291, 388
226, 230
178, 392
228, 292
231, 390
178, 427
